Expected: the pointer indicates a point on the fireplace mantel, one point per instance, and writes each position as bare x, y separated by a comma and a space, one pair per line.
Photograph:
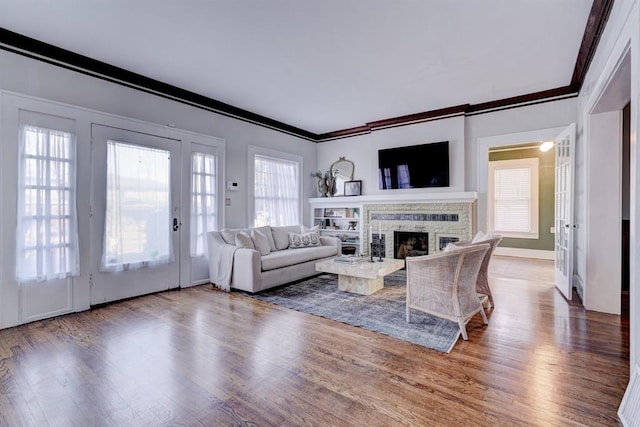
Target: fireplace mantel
393, 198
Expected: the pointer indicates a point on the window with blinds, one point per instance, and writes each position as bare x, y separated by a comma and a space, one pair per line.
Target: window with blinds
512, 198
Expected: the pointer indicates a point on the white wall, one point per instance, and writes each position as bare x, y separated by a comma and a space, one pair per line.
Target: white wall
363, 151
27, 76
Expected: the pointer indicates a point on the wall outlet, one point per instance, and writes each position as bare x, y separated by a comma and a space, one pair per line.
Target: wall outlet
552, 230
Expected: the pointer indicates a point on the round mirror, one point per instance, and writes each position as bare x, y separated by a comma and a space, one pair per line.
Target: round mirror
343, 172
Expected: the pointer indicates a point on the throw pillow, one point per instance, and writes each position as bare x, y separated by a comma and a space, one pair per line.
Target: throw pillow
281, 235
305, 229
266, 230
243, 240
452, 247
229, 234
260, 242
480, 237
304, 240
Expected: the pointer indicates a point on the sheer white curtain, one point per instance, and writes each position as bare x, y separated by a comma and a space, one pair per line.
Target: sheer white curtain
138, 209
276, 191
203, 200
47, 229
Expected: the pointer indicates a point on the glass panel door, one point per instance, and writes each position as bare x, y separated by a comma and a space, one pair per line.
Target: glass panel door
135, 213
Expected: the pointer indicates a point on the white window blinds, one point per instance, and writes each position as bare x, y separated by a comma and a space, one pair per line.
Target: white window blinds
513, 198
47, 229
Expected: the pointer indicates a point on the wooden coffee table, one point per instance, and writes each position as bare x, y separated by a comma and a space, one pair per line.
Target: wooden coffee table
362, 278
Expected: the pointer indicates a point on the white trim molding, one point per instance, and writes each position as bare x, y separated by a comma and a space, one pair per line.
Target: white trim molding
525, 253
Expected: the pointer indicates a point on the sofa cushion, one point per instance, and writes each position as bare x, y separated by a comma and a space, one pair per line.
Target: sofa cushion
260, 241
279, 259
281, 235
266, 230
304, 240
229, 234
243, 240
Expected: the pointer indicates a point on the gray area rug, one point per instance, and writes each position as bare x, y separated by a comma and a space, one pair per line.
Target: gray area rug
383, 312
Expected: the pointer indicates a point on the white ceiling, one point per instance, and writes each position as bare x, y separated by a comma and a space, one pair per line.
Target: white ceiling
323, 65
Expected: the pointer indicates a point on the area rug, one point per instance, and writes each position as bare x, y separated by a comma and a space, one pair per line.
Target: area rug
383, 312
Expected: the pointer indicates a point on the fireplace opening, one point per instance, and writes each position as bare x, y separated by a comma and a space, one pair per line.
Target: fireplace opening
410, 243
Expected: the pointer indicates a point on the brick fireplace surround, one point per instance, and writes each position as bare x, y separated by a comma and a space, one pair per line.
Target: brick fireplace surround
445, 216
445, 221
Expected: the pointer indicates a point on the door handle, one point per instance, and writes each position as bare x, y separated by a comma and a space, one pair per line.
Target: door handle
176, 225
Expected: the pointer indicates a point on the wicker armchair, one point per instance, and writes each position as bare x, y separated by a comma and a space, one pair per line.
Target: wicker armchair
482, 285
444, 284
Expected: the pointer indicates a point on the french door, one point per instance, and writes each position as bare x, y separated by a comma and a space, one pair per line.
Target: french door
135, 214
565, 166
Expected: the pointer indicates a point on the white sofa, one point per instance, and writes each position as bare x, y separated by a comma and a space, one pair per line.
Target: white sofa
253, 271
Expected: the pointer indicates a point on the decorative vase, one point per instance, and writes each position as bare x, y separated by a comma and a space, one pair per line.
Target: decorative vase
331, 185
323, 188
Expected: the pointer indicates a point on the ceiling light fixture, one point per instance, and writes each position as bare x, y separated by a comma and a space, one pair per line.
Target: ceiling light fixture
546, 146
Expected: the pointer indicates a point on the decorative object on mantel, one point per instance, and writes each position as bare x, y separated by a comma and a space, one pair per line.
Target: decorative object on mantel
326, 182
352, 188
342, 172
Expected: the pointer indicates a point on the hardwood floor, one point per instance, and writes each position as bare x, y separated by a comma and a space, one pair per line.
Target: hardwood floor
203, 357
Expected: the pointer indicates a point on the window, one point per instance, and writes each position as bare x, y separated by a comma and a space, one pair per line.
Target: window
203, 200
47, 236
138, 207
513, 198
276, 188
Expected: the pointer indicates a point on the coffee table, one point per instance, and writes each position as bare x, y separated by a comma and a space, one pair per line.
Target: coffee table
362, 278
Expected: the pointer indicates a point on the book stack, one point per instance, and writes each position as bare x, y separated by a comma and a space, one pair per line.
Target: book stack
349, 259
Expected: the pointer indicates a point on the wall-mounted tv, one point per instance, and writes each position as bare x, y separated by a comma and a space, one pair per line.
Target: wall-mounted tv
414, 166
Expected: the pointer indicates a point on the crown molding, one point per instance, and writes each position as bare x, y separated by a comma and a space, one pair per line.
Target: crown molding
32, 48
596, 22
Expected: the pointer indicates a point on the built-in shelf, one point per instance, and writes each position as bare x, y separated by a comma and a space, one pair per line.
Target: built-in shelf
341, 221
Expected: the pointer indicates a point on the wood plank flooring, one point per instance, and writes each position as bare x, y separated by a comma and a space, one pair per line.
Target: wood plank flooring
203, 357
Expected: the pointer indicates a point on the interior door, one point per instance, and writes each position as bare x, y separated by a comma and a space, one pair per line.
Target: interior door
565, 169
135, 212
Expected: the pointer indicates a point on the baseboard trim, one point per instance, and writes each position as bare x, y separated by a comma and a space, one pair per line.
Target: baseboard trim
525, 253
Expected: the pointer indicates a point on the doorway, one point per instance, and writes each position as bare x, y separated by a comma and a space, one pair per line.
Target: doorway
135, 227
605, 196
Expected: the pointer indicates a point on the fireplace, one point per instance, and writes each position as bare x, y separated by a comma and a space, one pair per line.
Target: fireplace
410, 243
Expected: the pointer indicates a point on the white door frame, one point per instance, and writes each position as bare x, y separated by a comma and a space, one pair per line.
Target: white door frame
489, 142
113, 286
602, 146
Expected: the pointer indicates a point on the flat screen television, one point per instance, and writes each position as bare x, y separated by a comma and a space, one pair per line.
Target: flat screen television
414, 166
